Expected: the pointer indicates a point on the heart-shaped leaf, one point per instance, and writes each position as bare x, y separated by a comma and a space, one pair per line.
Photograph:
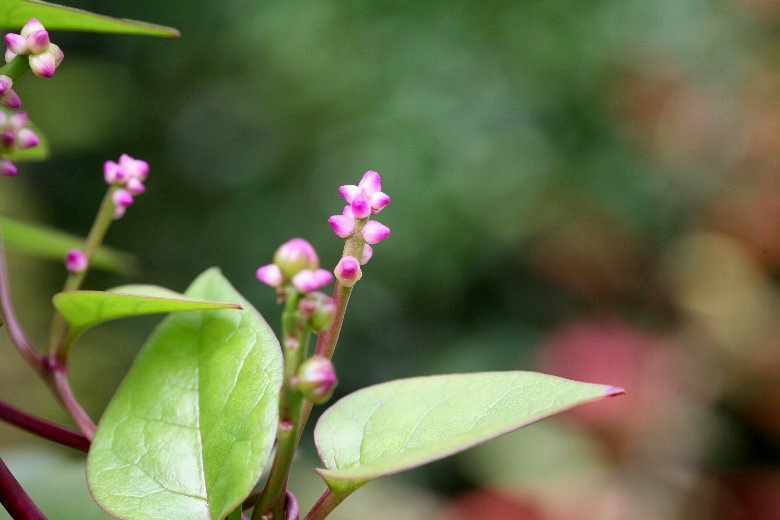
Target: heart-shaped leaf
85, 309
15, 13
53, 244
191, 427
395, 426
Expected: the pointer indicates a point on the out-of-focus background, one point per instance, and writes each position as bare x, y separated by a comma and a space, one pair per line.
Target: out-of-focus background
588, 189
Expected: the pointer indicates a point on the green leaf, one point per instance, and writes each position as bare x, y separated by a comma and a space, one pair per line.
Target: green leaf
15, 13
85, 309
53, 244
395, 426
37, 153
191, 427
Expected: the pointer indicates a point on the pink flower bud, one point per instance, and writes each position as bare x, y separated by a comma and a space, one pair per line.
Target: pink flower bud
43, 65
135, 186
342, 225
316, 379
348, 271
349, 192
270, 275
75, 261
26, 138
295, 255
38, 42
112, 173
119, 212
32, 25
368, 252
374, 232
307, 280
9, 56
135, 168
122, 198
370, 183
5, 83
378, 201
7, 168
18, 120
361, 208
10, 99
16, 43
7, 138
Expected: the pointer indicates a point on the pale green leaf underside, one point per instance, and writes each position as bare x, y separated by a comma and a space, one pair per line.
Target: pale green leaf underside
53, 244
15, 13
191, 427
402, 424
86, 309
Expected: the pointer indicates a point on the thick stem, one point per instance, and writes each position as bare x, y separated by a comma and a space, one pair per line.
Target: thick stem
15, 499
58, 340
16, 68
43, 428
15, 332
327, 503
295, 339
65, 393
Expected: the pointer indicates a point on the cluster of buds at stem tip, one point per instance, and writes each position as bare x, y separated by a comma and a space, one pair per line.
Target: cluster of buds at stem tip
44, 56
316, 379
76, 261
295, 263
129, 176
14, 135
363, 200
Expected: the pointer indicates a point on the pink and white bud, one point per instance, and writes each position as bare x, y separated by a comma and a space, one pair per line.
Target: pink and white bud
43, 65
374, 232
18, 120
361, 208
135, 168
311, 280
122, 198
370, 183
5, 83
38, 42
119, 212
316, 379
33, 25
318, 309
10, 99
135, 186
270, 275
368, 252
7, 139
348, 271
296, 255
26, 138
17, 44
349, 192
7, 168
112, 173
342, 225
76, 261
9, 55
378, 201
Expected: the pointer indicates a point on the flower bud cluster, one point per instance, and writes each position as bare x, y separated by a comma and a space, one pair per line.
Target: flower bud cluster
363, 200
316, 379
44, 56
14, 135
129, 175
296, 263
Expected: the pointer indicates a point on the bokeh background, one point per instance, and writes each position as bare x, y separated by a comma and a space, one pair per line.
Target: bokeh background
588, 189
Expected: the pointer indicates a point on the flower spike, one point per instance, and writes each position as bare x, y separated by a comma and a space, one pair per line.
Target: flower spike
34, 41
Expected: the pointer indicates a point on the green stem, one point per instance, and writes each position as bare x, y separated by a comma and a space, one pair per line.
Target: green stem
16, 68
325, 505
295, 339
59, 341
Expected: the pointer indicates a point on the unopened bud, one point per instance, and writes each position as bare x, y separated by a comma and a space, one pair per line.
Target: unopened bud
318, 309
76, 261
348, 271
270, 275
308, 280
295, 255
317, 379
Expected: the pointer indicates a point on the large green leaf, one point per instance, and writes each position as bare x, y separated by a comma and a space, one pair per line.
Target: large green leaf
391, 427
53, 244
85, 309
15, 13
191, 427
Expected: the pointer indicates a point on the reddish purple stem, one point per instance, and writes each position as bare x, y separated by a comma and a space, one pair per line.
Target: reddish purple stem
43, 428
15, 499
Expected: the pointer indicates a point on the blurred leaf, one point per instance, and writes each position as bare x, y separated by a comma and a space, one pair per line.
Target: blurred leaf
395, 426
15, 13
37, 153
54, 244
190, 429
85, 309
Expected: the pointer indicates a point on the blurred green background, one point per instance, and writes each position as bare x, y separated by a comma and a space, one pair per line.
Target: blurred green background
584, 188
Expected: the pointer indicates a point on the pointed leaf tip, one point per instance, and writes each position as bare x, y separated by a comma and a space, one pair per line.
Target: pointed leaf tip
612, 391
